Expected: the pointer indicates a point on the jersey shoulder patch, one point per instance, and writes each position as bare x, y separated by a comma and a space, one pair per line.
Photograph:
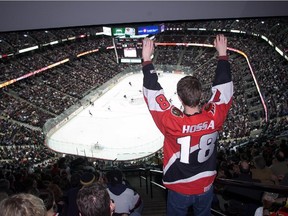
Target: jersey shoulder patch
177, 112
210, 108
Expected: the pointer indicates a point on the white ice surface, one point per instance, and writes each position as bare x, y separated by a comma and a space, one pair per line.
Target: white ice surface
118, 128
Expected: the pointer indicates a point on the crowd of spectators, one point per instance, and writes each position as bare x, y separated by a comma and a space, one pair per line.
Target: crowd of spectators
11, 42
273, 28
61, 185
26, 105
262, 160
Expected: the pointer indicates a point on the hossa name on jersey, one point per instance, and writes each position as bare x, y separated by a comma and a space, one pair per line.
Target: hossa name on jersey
198, 127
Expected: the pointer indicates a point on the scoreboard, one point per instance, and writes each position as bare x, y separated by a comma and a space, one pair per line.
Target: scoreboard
128, 50
127, 41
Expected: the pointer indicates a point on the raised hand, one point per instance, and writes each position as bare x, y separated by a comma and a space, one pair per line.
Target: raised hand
147, 49
220, 43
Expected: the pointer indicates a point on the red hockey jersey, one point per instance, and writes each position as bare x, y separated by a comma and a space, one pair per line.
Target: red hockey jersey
189, 165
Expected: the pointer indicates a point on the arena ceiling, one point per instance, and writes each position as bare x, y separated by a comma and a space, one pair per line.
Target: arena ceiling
36, 15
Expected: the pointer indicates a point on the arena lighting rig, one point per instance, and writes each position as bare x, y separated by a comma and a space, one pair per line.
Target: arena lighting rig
138, 51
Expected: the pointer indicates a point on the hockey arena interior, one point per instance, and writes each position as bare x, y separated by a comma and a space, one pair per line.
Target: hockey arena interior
71, 100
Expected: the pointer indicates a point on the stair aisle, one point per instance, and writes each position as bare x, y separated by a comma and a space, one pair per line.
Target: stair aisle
155, 206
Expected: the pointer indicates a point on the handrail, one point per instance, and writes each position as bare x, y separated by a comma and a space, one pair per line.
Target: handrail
253, 185
221, 181
155, 172
217, 213
145, 177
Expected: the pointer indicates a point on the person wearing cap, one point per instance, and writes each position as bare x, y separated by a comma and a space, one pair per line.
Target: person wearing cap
87, 179
84, 180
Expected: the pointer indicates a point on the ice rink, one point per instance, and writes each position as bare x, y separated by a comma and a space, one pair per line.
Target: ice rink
118, 126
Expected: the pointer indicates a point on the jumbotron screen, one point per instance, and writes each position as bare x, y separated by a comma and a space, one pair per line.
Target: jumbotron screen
151, 30
126, 31
128, 50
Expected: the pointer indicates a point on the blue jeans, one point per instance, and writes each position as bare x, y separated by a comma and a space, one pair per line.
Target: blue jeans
178, 204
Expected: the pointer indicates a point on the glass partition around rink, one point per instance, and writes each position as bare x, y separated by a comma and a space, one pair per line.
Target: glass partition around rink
112, 122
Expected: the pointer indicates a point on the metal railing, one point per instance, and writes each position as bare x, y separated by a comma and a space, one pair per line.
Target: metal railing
143, 174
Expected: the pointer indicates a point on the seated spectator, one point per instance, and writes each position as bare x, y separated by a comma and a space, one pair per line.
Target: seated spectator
5, 186
243, 201
279, 165
273, 204
30, 185
127, 200
262, 172
71, 195
49, 202
88, 178
3, 195
58, 197
94, 200
22, 204
77, 182
156, 161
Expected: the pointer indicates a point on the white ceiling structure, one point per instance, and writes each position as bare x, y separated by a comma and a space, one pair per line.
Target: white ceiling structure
31, 15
